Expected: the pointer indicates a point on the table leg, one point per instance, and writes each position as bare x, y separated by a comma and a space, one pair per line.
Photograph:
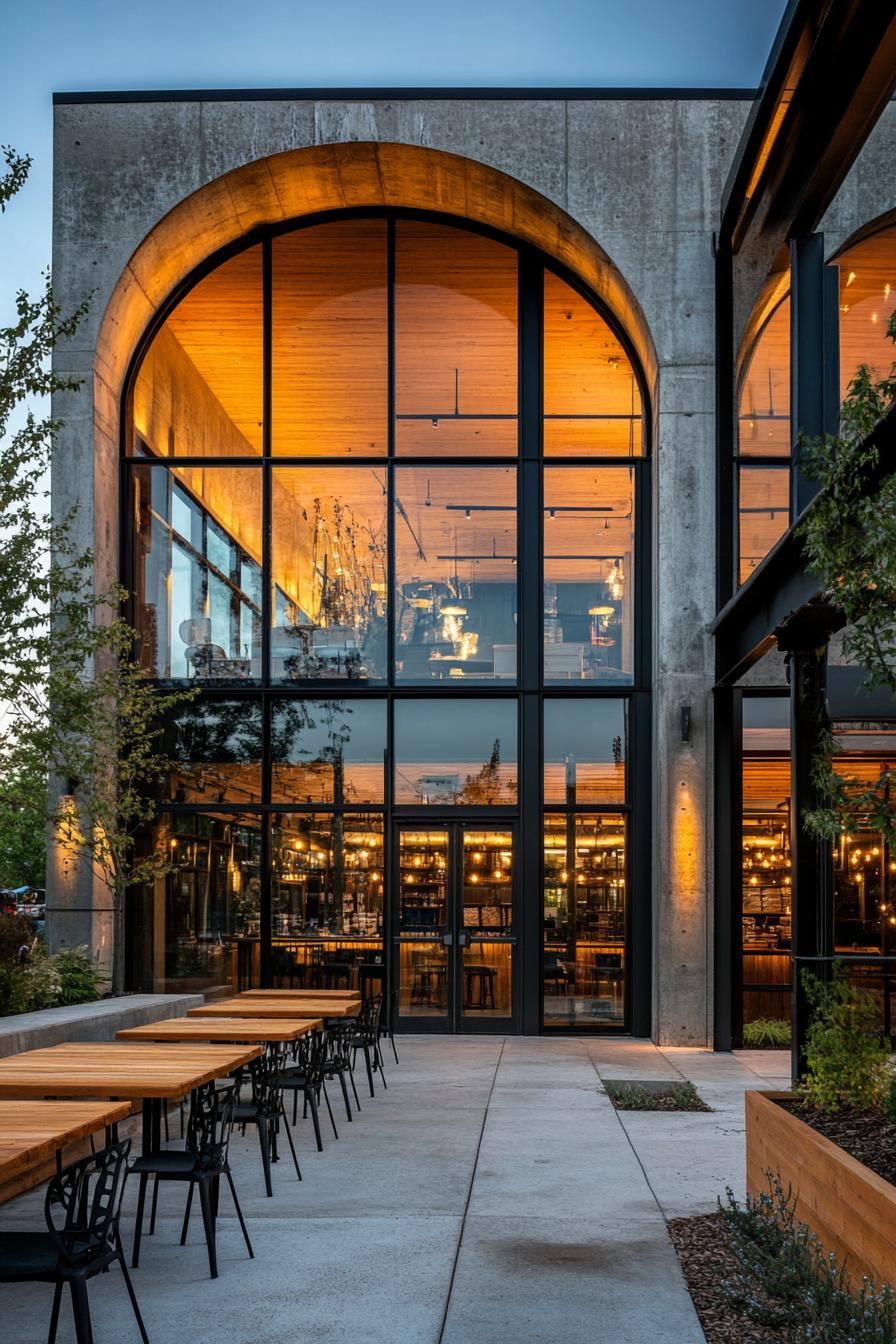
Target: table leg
152, 1125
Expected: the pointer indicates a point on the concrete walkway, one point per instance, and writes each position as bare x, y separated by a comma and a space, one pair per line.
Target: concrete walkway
491, 1195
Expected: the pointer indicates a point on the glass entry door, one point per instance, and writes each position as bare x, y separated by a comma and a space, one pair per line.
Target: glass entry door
454, 939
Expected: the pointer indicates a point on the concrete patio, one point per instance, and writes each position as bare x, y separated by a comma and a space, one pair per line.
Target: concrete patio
491, 1195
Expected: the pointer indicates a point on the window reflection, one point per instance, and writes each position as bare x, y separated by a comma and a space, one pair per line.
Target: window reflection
455, 574
199, 388
763, 513
329, 367
584, 919
214, 752
198, 572
592, 406
864, 859
329, 559
763, 418
196, 926
455, 342
584, 751
867, 302
588, 600
328, 751
467, 756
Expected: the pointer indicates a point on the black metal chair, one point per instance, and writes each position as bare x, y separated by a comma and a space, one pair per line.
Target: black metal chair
338, 1061
387, 1019
85, 1241
366, 1037
265, 1107
202, 1164
308, 1078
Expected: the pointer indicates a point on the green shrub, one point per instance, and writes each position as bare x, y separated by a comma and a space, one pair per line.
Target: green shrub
765, 1033
79, 978
42, 981
15, 932
674, 1097
846, 1060
787, 1283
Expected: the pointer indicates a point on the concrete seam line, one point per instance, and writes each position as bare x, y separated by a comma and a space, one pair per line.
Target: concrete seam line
628, 1140
463, 1221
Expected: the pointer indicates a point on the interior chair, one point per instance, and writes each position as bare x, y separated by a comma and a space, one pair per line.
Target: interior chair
264, 1108
202, 1163
608, 970
556, 976
82, 1209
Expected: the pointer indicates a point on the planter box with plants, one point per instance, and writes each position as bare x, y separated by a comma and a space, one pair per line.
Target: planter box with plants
832, 1143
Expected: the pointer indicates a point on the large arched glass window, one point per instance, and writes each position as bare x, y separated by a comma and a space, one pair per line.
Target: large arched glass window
383, 475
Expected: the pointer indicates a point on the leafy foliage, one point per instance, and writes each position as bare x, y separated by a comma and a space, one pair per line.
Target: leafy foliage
767, 1033
674, 1097
85, 714
846, 1060
849, 537
786, 1282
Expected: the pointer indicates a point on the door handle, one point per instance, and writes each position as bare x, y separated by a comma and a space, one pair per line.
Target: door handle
448, 939
463, 939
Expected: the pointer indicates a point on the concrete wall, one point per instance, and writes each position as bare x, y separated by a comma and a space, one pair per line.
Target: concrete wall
90, 1021
644, 178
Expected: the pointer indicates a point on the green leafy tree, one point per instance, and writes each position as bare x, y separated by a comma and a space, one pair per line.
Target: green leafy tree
847, 1063
84, 714
23, 828
849, 537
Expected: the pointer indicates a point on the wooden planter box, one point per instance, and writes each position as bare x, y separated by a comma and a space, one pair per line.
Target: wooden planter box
849, 1207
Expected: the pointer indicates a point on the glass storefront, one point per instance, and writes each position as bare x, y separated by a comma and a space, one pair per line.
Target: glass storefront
404, 581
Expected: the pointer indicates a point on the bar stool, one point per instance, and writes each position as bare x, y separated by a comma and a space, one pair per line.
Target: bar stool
486, 978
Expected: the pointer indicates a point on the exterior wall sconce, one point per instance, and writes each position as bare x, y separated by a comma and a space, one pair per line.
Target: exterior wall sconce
686, 724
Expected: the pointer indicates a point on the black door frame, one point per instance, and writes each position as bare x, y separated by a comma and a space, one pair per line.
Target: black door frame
454, 1022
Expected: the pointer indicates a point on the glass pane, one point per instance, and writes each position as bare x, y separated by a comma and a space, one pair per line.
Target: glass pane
422, 919
592, 406
864, 861
766, 880
456, 352
214, 749
328, 565
867, 302
195, 928
584, 920
588, 570
584, 751
462, 753
199, 389
487, 918
327, 899
196, 572
763, 513
455, 574
328, 751
329, 364
763, 418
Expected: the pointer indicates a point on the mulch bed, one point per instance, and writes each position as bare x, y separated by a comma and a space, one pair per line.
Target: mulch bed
707, 1261
865, 1135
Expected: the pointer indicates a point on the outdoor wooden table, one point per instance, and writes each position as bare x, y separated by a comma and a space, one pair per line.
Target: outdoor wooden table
32, 1131
278, 1008
222, 1029
325, 995
131, 1071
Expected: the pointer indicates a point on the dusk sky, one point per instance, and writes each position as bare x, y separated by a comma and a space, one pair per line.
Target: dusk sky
52, 46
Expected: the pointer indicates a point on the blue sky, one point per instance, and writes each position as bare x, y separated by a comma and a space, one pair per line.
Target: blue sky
53, 45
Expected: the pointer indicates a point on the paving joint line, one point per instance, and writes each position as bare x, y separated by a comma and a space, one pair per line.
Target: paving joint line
463, 1221
628, 1140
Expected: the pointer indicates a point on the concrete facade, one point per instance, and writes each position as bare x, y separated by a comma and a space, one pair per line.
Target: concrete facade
643, 178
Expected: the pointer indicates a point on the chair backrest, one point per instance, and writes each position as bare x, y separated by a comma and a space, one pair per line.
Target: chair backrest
608, 961
210, 1124
264, 1076
87, 1194
369, 1017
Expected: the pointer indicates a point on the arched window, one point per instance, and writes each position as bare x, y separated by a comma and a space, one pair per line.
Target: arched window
384, 472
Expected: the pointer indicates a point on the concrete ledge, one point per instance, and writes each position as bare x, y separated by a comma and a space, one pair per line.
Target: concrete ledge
89, 1021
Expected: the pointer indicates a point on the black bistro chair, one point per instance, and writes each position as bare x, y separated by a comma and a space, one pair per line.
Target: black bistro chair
309, 1079
82, 1208
264, 1108
366, 1037
202, 1164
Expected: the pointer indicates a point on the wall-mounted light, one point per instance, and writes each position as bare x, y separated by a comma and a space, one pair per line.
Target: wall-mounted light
686, 723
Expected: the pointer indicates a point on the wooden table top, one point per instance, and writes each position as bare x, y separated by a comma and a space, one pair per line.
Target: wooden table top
278, 1008
32, 1131
127, 1069
327, 994
222, 1029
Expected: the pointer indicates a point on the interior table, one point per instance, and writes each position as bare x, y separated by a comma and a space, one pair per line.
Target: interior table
279, 1007
263, 1030
322, 994
126, 1070
32, 1131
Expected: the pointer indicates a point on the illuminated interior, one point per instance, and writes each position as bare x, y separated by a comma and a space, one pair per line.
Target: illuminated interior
352, 535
